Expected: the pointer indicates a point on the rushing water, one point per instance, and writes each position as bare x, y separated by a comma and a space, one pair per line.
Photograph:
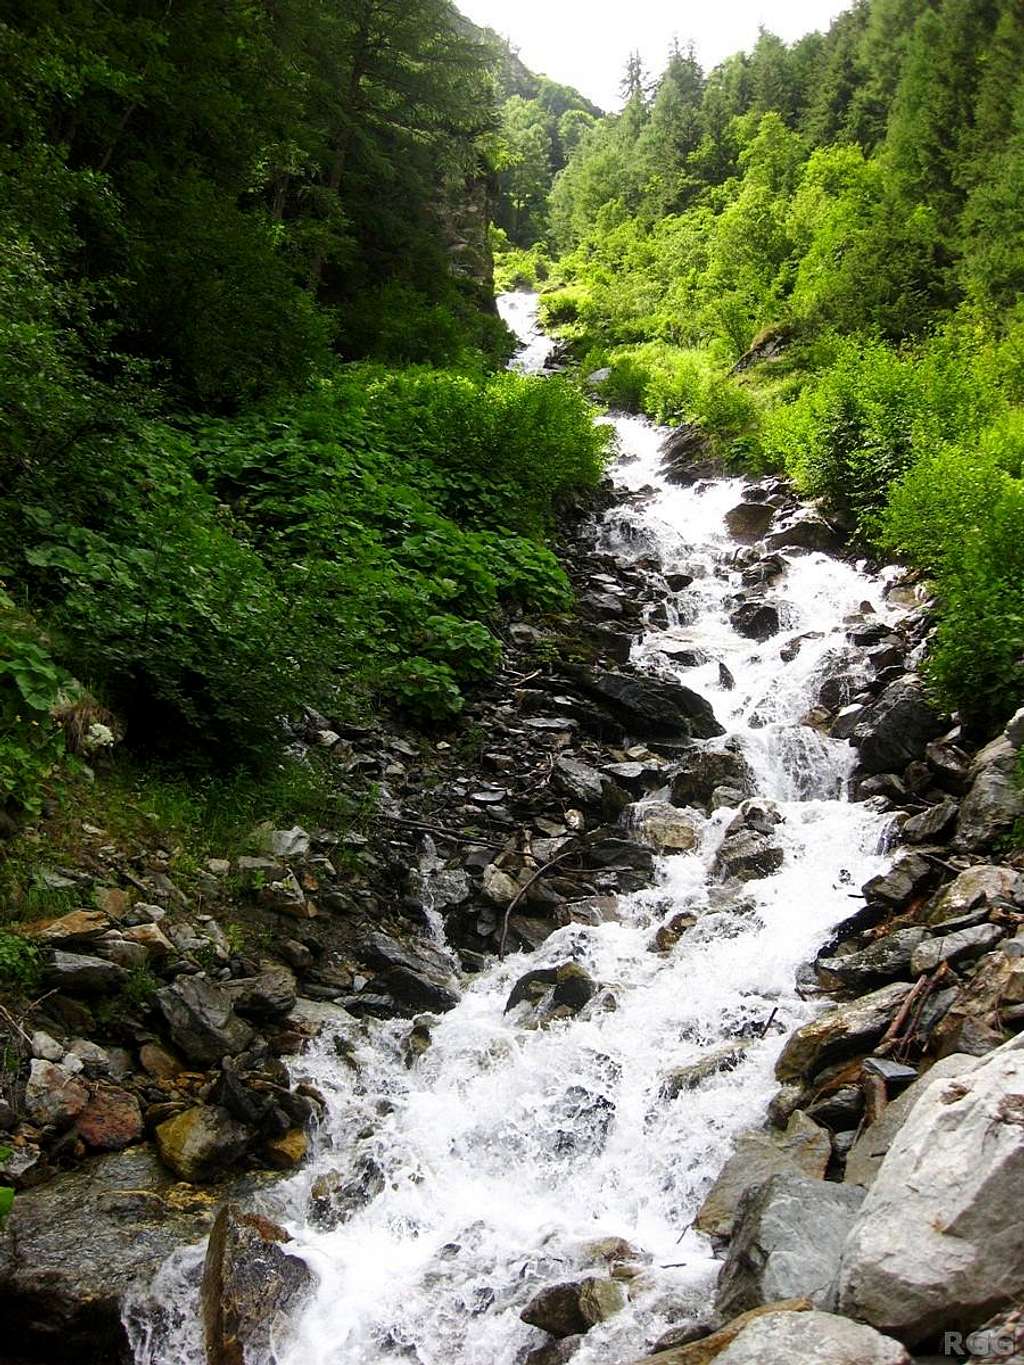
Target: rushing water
504, 1152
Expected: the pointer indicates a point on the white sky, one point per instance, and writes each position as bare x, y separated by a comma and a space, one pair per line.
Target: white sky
585, 42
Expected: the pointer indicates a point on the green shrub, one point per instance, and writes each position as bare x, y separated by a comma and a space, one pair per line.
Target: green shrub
31, 741
19, 962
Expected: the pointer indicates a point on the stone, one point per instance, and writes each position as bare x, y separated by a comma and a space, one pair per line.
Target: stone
158, 1061
954, 948
897, 727
77, 927
748, 521
252, 1288
756, 620
152, 938
847, 720
202, 1020
867, 1153
747, 856
269, 995
285, 843
939, 1243
666, 827
499, 886
555, 1352
111, 1120
787, 1240
995, 800
932, 825
44, 1047
201, 1142
86, 1242
806, 532
285, 895
418, 977
649, 706
802, 1149
287, 1151
571, 987
702, 771
840, 1032
54, 1096
725, 1057
80, 974
580, 781
887, 959
811, 1339
709, 1348
572, 1308
986, 884
909, 877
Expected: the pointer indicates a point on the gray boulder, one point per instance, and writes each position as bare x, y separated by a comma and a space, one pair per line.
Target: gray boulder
54, 1096
806, 532
959, 946
896, 728
939, 1242
748, 521
202, 1019
251, 1287
417, 975
932, 824
802, 1149
841, 1032
756, 620
811, 1339
887, 959
81, 974
703, 771
787, 1240
649, 706
572, 1308
995, 801
748, 856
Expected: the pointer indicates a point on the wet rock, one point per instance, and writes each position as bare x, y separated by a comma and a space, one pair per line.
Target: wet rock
702, 771
747, 856
806, 532
908, 879
202, 1142
572, 1308
867, 1153
580, 781
847, 721
650, 706
419, 978
78, 1245
932, 825
202, 1019
787, 1240
111, 1120
759, 815
688, 458
54, 1096
569, 985
756, 620
748, 521
802, 1149
984, 885
252, 1288
269, 995
995, 801
887, 959
840, 1032
939, 1245
896, 728
724, 1058
81, 974
1014, 731
555, 1352
950, 764
954, 948
811, 1339
666, 827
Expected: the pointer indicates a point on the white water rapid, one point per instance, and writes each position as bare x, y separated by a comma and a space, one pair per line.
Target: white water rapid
503, 1151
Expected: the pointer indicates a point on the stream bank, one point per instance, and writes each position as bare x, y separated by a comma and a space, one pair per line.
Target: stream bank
536, 1157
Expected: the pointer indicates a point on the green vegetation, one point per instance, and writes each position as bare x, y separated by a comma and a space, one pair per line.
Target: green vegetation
816, 253
255, 453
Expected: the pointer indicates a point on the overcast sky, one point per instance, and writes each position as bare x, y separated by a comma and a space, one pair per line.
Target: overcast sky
585, 42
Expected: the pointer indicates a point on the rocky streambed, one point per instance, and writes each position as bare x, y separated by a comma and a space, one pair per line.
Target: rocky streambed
669, 1009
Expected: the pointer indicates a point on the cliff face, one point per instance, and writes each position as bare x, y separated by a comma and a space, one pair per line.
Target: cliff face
466, 213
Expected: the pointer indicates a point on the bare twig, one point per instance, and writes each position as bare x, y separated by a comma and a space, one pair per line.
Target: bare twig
561, 857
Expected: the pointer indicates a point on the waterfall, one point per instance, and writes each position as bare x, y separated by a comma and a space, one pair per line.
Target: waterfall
492, 1165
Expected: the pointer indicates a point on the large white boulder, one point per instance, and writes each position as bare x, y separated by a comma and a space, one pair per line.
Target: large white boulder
811, 1339
939, 1242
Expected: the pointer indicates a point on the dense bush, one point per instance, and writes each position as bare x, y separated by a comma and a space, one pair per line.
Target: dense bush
31, 742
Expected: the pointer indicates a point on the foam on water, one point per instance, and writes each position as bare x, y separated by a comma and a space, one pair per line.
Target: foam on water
500, 1153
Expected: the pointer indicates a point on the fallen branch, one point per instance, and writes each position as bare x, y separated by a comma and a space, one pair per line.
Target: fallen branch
561, 857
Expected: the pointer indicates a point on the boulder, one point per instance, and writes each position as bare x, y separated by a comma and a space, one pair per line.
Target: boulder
747, 856
202, 1019
756, 620
111, 1120
983, 885
81, 974
201, 1142
579, 781
939, 1242
840, 1032
811, 1339
896, 728
269, 995
748, 521
1014, 731
995, 801
555, 1352
806, 532
252, 1288
649, 706
418, 976
569, 985
572, 1308
702, 771
932, 825
868, 1152
78, 1246
908, 878
787, 1240
887, 959
78, 926
953, 948
54, 1096
665, 827
705, 1348
688, 456
802, 1149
